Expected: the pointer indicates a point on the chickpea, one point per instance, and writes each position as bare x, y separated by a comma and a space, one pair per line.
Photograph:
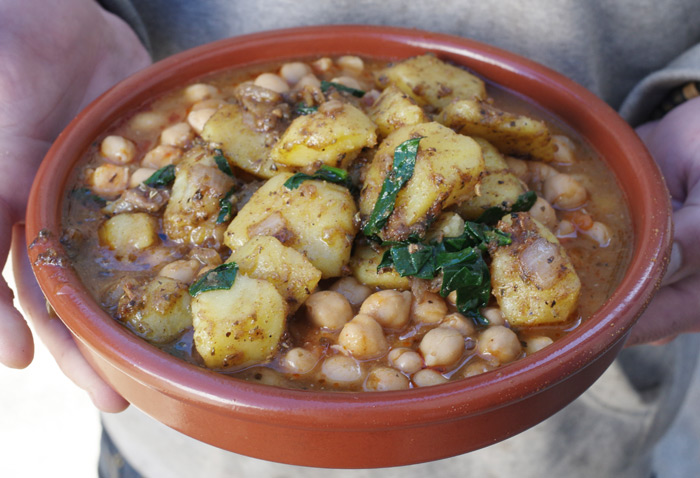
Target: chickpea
328, 309
564, 192
118, 149
493, 315
139, 176
565, 229
294, 71
390, 308
266, 376
309, 80
300, 361
543, 212
460, 323
147, 121
442, 346
348, 81
352, 289
184, 270
385, 378
272, 82
500, 344
427, 378
178, 134
160, 156
199, 92
363, 337
407, 360
351, 63
323, 64
341, 370
198, 118
533, 344
477, 366
211, 103
600, 233
431, 310
565, 149
109, 180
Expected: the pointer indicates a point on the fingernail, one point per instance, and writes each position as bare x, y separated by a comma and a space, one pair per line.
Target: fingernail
674, 264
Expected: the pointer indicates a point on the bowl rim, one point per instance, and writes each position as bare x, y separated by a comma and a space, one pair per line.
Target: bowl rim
156, 369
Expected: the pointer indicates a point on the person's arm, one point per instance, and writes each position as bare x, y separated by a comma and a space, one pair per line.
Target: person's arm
674, 141
55, 57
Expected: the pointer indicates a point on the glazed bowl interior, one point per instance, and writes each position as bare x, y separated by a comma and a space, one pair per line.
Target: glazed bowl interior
355, 429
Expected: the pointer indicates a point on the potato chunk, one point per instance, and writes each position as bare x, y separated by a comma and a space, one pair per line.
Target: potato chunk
510, 133
394, 109
192, 212
533, 278
238, 326
333, 135
448, 167
430, 81
159, 312
245, 146
498, 187
363, 265
264, 257
316, 219
129, 233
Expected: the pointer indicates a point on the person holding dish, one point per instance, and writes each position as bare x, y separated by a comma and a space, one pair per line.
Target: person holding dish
55, 60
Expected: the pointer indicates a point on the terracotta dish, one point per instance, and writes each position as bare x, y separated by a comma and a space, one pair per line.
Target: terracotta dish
355, 430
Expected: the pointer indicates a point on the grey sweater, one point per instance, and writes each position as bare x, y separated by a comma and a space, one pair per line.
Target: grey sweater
630, 53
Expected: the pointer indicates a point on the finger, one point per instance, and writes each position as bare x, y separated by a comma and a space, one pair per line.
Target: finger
674, 310
57, 338
16, 343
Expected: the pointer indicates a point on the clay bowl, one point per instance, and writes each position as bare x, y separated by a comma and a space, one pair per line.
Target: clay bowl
356, 430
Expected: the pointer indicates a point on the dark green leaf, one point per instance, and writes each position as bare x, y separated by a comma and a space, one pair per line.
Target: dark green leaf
161, 178
225, 207
401, 172
326, 85
324, 173
417, 260
219, 278
494, 214
302, 109
222, 162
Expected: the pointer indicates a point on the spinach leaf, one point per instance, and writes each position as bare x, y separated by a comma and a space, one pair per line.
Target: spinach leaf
459, 259
219, 278
226, 207
302, 109
493, 214
161, 178
326, 85
324, 173
222, 162
404, 163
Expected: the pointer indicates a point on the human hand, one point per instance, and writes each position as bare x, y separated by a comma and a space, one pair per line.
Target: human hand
55, 57
674, 141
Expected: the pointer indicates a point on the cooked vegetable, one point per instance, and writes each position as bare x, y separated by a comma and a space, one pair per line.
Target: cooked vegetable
221, 277
193, 212
238, 326
534, 280
158, 312
129, 233
334, 135
447, 169
510, 133
162, 177
394, 109
232, 130
325, 173
292, 274
430, 81
364, 265
326, 85
316, 219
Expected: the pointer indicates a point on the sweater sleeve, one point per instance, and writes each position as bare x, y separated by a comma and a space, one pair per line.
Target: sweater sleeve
651, 91
125, 10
